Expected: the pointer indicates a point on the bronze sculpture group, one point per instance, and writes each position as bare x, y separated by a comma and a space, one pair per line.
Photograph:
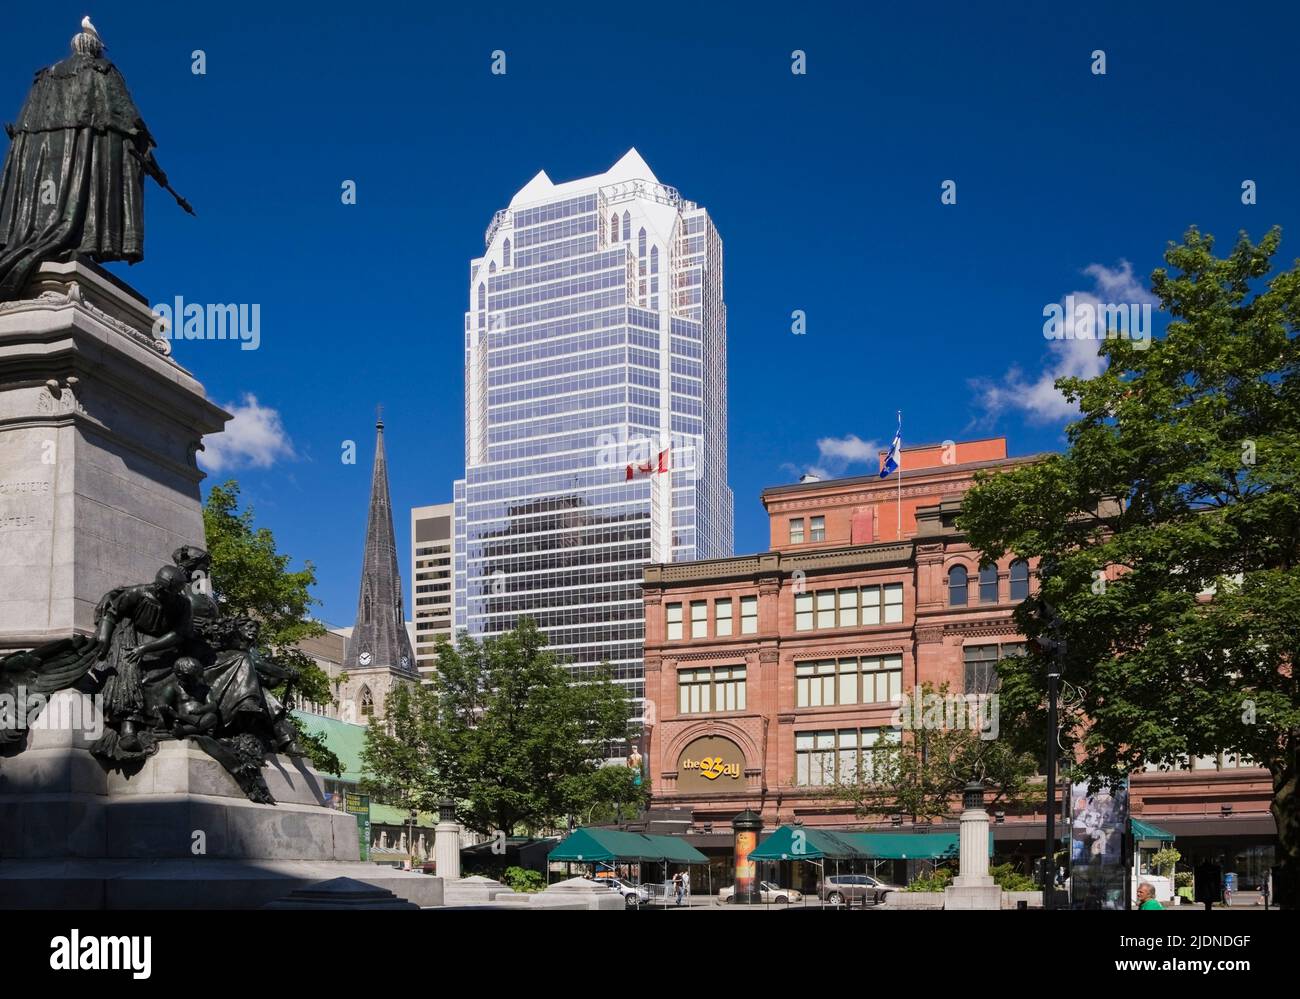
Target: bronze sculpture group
163, 664
72, 186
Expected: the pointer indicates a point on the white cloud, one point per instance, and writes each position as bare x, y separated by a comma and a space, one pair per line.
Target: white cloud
850, 449
254, 438
836, 454
1037, 397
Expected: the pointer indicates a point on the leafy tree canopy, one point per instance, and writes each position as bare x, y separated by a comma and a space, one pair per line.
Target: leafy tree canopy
505, 732
251, 578
1181, 479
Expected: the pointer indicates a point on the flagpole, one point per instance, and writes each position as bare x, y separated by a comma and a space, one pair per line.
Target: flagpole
900, 475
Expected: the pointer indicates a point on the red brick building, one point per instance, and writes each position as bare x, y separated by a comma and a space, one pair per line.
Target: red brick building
772, 674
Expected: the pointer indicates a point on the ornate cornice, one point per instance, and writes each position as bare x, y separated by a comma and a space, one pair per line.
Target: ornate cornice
740, 653
888, 648
980, 629
53, 301
769, 568
867, 494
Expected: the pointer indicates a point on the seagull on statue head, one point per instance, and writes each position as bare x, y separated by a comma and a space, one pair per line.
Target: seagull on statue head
89, 41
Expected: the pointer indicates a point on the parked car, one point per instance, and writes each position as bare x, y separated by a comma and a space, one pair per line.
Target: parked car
841, 888
633, 895
769, 891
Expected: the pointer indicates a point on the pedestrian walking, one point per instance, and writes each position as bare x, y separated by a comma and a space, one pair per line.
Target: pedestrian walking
679, 889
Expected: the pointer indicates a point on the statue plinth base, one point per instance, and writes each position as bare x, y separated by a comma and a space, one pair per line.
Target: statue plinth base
973, 888
99, 428
177, 833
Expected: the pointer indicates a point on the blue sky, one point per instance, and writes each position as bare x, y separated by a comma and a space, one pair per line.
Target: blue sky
825, 188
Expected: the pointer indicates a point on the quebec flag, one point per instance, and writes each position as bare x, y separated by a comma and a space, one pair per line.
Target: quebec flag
890, 464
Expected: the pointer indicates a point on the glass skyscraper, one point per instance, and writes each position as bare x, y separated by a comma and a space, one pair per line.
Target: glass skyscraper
595, 412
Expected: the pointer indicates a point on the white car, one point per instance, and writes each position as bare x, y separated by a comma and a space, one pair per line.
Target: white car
769, 891
633, 895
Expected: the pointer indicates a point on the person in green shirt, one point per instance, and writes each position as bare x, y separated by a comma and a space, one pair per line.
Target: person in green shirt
1147, 897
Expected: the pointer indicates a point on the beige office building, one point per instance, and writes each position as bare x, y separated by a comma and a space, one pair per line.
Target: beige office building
431, 580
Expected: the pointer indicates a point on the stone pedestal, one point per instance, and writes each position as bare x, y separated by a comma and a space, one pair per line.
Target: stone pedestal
474, 891
176, 832
973, 888
341, 893
573, 894
99, 428
446, 844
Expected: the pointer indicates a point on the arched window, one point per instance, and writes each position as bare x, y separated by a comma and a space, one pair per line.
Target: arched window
1019, 580
654, 260
957, 586
627, 225
613, 228
367, 608
492, 267
367, 701
988, 584
505, 254
482, 296
640, 244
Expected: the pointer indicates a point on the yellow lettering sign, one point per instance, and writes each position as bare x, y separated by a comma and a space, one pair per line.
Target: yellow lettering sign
713, 767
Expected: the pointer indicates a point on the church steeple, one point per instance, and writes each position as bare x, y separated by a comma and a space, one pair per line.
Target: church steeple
379, 639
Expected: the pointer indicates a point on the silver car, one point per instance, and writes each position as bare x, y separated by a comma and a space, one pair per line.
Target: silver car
633, 895
841, 888
770, 892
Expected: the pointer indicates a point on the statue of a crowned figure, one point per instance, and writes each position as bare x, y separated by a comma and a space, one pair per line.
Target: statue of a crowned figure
73, 180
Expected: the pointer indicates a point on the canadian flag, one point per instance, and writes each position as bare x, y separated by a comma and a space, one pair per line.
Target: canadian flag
649, 467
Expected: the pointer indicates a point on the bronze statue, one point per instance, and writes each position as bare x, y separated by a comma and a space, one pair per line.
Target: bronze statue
164, 664
73, 180
183, 701
137, 626
27, 679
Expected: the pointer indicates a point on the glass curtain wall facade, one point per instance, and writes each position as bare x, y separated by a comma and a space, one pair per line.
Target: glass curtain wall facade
595, 413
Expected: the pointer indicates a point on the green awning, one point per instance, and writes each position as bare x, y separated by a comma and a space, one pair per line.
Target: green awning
391, 815
609, 846
802, 843
1145, 830
909, 846
345, 740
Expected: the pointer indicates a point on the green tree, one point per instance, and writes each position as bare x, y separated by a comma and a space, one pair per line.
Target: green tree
250, 577
1181, 479
398, 754
923, 775
607, 794
507, 733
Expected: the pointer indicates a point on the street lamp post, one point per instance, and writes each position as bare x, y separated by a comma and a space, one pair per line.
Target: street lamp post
410, 838
1049, 868
1054, 645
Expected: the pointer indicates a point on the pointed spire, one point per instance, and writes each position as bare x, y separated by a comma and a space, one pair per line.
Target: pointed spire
379, 638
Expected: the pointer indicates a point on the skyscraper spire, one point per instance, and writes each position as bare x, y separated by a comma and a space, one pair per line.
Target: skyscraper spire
379, 639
